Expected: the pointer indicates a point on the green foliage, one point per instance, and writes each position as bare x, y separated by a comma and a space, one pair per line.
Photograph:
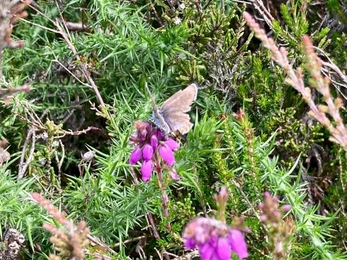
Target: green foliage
273, 146
111, 210
336, 7
295, 18
17, 211
267, 94
337, 48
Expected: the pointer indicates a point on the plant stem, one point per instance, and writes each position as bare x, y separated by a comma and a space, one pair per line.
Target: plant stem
164, 197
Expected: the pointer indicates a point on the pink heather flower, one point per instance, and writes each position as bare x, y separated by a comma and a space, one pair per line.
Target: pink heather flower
146, 170
174, 175
172, 144
189, 243
147, 152
142, 130
167, 154
154, 142
271, 211
223, 248
237, 243
136, 155
151, 142
157, 132
214, 239
286, 208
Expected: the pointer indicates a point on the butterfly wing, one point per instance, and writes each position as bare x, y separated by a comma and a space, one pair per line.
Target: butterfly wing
178, 121
173, 109
181, 100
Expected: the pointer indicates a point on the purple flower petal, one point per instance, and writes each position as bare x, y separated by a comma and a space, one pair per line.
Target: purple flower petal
146, 170
136, 155
223, 249
154, 142
167, 154
147, 152
206, 251
172, 144
201, 235
189, 243
238, 243
174, 175
286, 208
207, 235
158, 133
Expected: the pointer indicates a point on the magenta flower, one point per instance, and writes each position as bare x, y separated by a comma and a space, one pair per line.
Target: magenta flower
172, 144
147, 169
151, 143
154, 141
136, 155
147, 152
238, 244
167, 154
214, 239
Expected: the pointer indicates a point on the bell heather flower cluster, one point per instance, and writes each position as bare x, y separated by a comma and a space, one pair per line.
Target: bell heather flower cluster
152, 147
214, 239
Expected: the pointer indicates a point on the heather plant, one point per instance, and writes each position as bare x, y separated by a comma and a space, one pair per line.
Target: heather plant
19, 219
81, 138
295, 79
70, 240
154, 150
279, 231
214, 239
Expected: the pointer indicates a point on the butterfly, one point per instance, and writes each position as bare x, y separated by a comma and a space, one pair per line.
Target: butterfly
171, 116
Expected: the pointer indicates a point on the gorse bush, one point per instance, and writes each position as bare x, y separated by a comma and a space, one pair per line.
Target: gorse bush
84, 173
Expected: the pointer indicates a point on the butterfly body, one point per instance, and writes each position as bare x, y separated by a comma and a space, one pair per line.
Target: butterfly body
158, 120
171, 116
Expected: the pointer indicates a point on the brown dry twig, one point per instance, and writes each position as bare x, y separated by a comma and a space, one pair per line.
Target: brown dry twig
60, 24
23, 166
10, 91
59, 132
49, 131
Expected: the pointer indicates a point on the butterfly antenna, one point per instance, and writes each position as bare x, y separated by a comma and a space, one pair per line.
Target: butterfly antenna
151, 97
